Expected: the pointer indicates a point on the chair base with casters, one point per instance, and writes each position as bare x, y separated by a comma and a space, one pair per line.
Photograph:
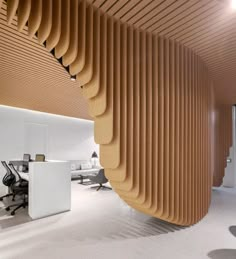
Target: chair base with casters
100, 179
22, 204
101, 186
19, 188
7, 195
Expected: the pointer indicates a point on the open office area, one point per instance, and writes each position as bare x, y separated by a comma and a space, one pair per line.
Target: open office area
117, 129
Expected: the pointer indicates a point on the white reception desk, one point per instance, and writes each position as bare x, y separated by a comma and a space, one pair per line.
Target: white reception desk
49, 188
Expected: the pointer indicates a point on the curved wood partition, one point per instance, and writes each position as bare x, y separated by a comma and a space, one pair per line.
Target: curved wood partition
152, 102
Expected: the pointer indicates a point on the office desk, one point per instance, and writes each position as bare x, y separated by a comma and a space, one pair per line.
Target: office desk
49, 188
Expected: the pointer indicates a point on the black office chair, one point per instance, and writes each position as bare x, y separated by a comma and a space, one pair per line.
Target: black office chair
8, 180
100, 179
17, 186
20, 187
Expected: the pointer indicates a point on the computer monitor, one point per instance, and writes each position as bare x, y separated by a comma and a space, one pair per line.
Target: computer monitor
26, 157
39, 158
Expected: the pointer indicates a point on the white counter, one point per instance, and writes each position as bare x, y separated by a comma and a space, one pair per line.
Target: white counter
49, 188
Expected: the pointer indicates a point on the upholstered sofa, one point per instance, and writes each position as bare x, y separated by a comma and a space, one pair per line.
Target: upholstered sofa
82, 167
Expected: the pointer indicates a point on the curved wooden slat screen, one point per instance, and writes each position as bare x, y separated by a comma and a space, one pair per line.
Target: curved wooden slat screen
150, 97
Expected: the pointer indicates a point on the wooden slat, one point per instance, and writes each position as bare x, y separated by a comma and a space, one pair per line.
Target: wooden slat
120, 171
23, 11
64, 41
35, 17
46, 24
85, 75
109, 154
98, 103
55, 32
72, 51
105, 122
91, 89
12, 6
79, 62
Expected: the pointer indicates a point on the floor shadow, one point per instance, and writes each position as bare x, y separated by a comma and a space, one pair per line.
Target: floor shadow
232, 230
122, 228
91, 222
222, 254
7, 221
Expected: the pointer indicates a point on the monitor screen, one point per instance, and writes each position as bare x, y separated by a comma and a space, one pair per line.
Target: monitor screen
39, 158
26, 157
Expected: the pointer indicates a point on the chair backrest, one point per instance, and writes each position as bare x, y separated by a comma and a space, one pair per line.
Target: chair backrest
101, 176
9, 178
39, 158
14, 171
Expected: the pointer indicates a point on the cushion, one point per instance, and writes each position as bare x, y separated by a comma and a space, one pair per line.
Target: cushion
77, 166
86, 166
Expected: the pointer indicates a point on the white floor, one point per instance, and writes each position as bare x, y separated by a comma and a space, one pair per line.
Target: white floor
100, 225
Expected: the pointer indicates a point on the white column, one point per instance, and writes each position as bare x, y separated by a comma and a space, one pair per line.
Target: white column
230, 171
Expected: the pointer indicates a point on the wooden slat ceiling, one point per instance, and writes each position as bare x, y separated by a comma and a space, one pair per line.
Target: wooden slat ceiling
31, 78
206, 26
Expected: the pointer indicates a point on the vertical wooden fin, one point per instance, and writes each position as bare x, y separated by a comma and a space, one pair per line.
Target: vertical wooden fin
46, 23
64, 41
79, 62
35, 17
110, 154
71, 53
98, 104
85, 75
91, 89
12, 6
23, 11
105, 122
55, 32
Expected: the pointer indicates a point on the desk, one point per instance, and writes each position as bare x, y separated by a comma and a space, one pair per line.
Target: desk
49, 188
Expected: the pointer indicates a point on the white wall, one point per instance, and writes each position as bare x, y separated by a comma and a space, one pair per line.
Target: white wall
65, 138
230, 171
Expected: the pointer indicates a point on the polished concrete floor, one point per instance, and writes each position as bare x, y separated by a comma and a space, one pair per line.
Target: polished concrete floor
100, 225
